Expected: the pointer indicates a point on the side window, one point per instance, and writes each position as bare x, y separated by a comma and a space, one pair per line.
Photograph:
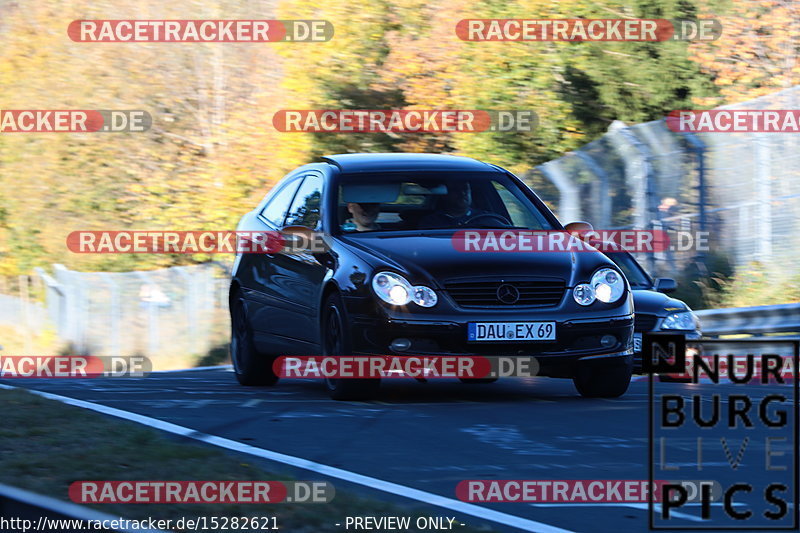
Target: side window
519, 214
275, 210
305, 210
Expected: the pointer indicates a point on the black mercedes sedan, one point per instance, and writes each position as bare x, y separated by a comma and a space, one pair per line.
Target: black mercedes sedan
389, 280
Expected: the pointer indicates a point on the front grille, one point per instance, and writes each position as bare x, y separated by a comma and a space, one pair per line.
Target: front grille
485, 293
644, 322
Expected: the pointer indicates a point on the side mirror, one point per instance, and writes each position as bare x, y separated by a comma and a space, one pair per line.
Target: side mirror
297, 238
300, 239
666, 285
578, 226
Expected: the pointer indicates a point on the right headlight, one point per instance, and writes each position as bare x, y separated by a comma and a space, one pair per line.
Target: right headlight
396, 290
583, 294
608, 285
683, 320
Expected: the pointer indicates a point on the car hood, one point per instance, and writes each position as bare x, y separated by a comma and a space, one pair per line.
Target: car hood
432, 257
651, 302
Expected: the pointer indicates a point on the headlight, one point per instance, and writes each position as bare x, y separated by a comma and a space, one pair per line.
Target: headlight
396, 290
685, 320
424, 296
608, 285
583, 294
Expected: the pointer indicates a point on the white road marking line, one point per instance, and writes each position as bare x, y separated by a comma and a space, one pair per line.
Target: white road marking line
339, 473
194, 369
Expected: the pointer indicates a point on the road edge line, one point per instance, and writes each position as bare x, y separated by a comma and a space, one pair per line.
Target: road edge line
330, 471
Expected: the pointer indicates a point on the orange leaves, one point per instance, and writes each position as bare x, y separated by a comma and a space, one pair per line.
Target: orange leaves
757, 52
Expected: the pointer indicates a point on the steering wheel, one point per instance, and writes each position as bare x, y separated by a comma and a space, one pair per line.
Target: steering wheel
495, 216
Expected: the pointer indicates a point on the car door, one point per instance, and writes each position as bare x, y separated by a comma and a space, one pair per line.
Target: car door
256, 272
298, 276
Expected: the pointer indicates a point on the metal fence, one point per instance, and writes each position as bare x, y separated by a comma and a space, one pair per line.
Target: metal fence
743, 188
171, 315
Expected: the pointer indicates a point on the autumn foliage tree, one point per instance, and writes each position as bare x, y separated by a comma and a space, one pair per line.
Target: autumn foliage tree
757, 53
213, 151
209, 154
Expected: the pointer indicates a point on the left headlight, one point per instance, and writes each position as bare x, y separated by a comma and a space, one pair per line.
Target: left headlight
396, 290
608, 285
683, 320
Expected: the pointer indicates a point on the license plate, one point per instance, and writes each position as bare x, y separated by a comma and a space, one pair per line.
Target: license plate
511, 331
637, 342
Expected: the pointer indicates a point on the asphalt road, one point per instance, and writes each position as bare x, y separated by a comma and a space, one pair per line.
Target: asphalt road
431, 436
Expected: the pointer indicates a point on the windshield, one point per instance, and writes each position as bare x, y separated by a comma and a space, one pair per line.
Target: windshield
635, 274
405, 201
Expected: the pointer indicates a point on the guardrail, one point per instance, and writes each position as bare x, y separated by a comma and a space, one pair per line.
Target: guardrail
42, 511
756, 320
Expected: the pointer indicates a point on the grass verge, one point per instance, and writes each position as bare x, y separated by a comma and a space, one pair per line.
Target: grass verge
46, 445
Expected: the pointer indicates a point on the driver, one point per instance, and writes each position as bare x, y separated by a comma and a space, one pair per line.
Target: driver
456, 208
364, 216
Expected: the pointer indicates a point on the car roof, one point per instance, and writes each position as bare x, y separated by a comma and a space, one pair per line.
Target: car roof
401, 161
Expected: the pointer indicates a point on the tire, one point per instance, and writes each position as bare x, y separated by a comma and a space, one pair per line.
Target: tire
336, 342
251, 367
477, 381
601, 381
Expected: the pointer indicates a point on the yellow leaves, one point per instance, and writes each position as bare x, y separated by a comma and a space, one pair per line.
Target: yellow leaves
212, 149
748, 60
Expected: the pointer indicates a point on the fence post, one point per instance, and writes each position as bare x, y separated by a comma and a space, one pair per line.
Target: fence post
699, 148
54, 300
569, 205
190, 307
224, 290
152, 314
26, 312
84, 313
114, 313
605, 196
764, 193
66, 314
643, 204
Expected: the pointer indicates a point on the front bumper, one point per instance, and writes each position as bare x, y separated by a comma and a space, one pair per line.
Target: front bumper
577, 339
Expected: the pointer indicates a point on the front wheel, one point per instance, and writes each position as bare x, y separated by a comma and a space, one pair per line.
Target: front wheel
336, 343
603, 381
251, 368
